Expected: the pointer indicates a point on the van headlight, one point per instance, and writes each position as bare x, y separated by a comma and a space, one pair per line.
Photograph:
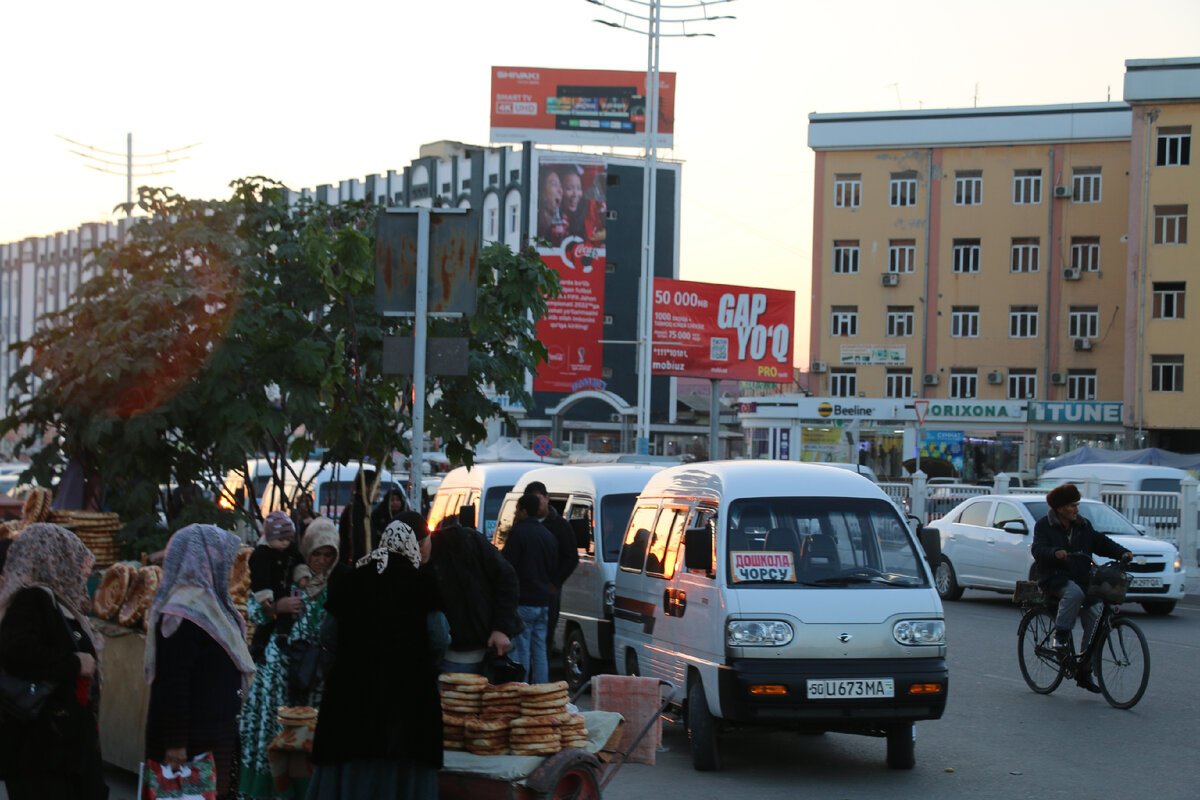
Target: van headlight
919, 631
758, 633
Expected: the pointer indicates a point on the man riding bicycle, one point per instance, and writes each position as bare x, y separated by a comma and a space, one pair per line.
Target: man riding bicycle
1061, 532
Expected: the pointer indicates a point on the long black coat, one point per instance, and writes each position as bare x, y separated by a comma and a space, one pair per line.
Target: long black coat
478, 586
381, 698
35, 644
1051, 535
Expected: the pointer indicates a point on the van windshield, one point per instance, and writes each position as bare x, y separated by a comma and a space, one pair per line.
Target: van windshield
820, 541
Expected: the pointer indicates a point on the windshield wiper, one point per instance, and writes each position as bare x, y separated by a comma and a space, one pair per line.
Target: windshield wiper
833, 580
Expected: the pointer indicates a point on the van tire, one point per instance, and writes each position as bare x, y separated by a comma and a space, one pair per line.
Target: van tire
1158, 607
702, 730
577, 664
945, 581
901, 746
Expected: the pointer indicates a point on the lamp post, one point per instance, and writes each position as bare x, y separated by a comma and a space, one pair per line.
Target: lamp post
646, 17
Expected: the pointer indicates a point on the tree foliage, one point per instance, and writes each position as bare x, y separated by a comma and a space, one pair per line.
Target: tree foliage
218, 331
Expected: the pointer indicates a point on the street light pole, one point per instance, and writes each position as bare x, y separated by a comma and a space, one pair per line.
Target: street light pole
649, 12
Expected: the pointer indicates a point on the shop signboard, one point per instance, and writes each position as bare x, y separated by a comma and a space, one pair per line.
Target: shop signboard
869, 354
1076, 413
578, 106
944, 445
718, 331
977, 411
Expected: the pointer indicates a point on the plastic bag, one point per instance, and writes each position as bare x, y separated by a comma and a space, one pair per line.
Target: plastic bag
195, 780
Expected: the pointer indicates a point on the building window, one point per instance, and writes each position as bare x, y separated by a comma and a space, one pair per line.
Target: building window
899, 383
1027, 187
1168, 300
968, 187
1175, 146
1024, 255
964, 383
514, 214
1166, 373
1085, 253
847, 191
843, 383
1085, 185
902, 255
1170, 224
1022, 322
1081, 384
845, 257
1083, 322
844, 321
966, 255
902, 191
1022, 384
491, 223
964, 322
899, 320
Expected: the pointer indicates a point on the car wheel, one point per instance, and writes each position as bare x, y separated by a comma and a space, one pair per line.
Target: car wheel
577, 664
702, 729
1159, 608
945, 582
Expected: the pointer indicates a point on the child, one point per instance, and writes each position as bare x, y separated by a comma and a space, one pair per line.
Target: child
271, 566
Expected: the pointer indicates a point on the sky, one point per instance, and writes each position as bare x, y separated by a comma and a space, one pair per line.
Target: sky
311, 93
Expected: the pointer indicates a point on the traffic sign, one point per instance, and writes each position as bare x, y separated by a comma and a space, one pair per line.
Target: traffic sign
542, 445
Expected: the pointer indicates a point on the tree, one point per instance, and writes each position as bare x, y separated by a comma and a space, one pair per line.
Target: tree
221, 330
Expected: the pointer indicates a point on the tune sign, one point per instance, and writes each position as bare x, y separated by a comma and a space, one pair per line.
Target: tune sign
711, 330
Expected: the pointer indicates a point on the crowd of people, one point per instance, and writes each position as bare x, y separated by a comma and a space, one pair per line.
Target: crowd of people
361, 641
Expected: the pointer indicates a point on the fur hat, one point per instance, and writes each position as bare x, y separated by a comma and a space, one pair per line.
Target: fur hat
278, 525
1063, 495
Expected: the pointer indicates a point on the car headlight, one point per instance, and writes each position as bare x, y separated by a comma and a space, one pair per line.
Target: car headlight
919, 631
1178, 562
757, 633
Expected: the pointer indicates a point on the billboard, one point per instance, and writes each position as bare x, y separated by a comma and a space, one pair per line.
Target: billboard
712, 330
578, 106
570, 226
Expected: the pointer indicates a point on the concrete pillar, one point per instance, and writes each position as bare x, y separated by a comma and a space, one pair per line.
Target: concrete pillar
917, 498
1189, 519
1001, 484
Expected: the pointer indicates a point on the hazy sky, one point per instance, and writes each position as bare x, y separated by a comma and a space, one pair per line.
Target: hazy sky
313, 93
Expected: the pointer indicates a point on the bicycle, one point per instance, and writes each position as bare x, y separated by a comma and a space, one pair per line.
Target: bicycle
1117, 651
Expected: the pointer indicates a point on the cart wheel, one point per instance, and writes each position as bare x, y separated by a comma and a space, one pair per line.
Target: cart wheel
566, 775
577, 783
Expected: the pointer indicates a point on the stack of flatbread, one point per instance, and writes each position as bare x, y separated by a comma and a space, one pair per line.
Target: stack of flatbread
543, 699
573, 732
96, 529
114, 586
502, 702
535, 736
454, 731
239, 586
140, 597
462, 693
486, 737
37, 505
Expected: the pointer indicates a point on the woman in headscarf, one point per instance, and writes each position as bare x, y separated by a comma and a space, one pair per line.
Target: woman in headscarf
44, 635
260, 723
197, 662
379, 733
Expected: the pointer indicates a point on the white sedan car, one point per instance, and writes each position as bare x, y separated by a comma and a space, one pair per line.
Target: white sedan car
986, 539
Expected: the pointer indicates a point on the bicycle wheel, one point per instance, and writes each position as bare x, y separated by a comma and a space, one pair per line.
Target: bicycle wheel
1122, 663
1040, 665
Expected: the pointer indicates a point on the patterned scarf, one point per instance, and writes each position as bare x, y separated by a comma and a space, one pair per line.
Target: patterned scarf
51, 558
397, 538
195, 587
321, 532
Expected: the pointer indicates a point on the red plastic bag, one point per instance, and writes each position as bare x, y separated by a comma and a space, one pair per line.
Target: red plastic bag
195, 780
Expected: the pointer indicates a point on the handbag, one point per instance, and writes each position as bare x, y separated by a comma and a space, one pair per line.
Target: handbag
308, 664
23, 699
195, 780
501, 669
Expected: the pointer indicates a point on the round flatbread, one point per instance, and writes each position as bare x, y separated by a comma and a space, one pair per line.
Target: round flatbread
462, 679
239, 573
535, 689
114, 586
140, 596
454, 694
485, 726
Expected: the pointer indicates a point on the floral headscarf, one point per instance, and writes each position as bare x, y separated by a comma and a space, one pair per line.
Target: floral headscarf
397, 538
195, 587
53, 558
321, 532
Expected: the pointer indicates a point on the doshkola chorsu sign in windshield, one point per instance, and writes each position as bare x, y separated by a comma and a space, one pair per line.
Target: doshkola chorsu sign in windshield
711, 330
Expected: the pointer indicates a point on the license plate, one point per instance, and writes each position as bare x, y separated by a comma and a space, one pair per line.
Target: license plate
1146, 583
851, 688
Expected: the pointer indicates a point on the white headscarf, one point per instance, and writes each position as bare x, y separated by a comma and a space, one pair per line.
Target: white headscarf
397, 538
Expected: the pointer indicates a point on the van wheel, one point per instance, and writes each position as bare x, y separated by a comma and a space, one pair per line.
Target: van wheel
945, 582
901, 746
702, 729
631, 663
577, 664
1158, 608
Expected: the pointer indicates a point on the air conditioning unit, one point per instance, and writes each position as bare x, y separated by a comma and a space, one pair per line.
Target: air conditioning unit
1072, 274
819, 366
1058, 378
1083, 344
890, 279
931, 379
996, 376
1062, 191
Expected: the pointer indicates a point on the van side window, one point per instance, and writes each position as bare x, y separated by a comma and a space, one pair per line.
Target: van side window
637, 538
438, 509
704, 517
578, 510
670, 522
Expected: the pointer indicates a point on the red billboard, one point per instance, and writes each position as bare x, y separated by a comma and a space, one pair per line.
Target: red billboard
712, 330
578, 106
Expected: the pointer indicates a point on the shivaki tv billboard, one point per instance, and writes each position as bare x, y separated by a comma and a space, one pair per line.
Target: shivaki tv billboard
711, 330
578, 106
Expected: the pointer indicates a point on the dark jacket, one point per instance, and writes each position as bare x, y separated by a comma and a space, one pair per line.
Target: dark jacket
380, 517
479, 587
381, 698
351, 527
36, 644
533, 552
1050, 535
568, 552
272, 569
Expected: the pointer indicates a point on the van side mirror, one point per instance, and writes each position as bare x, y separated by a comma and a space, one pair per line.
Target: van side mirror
697, 548
466, 516
582, 528
931, 543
